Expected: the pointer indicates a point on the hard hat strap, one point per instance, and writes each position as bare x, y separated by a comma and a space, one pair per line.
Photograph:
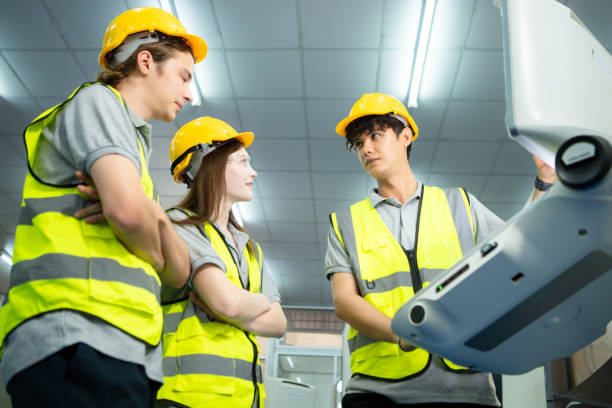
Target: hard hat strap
199, 152
400, 118
131, 43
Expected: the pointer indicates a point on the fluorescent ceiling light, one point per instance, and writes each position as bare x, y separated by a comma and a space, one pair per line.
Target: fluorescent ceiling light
6, 258
290, 361
196, 99
237, 215
421, 53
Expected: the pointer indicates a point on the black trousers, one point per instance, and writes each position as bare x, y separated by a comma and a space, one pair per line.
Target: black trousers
80, 376
367, 400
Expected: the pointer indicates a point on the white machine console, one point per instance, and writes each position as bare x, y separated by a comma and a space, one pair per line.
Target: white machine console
541, 288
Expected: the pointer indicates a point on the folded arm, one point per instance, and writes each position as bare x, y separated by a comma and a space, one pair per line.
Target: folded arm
229, 302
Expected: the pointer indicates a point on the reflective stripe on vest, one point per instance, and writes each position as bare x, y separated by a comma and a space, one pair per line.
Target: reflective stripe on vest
382, 269
207, 362
60, 262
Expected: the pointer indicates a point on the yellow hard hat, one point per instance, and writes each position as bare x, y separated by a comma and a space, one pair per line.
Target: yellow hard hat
377, 104
200, 135
148, 19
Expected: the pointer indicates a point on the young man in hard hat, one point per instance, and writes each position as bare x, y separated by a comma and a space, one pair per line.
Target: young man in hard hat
383, 249
83, 323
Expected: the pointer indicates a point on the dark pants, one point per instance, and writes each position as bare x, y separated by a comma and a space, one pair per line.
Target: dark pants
80, 376
367, 400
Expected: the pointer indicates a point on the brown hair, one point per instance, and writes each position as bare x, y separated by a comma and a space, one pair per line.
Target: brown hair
160, 51
208, 188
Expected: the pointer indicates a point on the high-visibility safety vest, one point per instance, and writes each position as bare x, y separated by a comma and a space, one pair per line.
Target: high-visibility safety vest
60, 262
208, 363
388, 275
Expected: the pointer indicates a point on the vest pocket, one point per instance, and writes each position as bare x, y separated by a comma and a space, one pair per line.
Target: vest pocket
440, 255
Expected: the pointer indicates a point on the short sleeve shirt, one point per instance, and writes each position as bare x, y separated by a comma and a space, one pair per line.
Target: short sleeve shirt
93, 124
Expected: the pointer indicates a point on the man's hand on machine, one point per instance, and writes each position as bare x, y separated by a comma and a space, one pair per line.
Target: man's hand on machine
92, 213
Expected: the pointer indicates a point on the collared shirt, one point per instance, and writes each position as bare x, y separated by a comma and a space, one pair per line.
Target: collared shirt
436, 384
92, 125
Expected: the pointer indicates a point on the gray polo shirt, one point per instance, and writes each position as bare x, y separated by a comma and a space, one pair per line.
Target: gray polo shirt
92, 125
436, 384
201, 252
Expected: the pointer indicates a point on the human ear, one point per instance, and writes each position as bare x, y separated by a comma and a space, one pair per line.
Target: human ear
145, 61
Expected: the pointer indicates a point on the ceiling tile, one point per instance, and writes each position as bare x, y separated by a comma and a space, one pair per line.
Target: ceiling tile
164, 183
279, 154
284, 185
439, 74
462, 115
46, 103
16, 113
253, 25
163, 130
288, 118
421, 155
324, 207
290, 251
12, 179
224, 109
327, 76
341, 23
258, 231
331, 155
465, 157
401, 23
59, 78
198, 18
504, 211
297, 270
514, 159
471, 182
486, 31
27, 13
323, 116
480, 76
213, 76
8, 206
288, 210
428, 117
13, 151
595, 14
251, 211
339, 186
10, 85
292, 232
8, 224
395, 72
322, 231
83, 23
266, 74
508, 189
160, 157
451, 23
88, 61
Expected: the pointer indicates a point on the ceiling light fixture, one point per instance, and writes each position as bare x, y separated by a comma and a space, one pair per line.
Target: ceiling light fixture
6, 257
421, 52
196, 98
290, 362
237, 215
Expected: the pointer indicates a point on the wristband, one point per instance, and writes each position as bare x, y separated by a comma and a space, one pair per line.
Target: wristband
542, 185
